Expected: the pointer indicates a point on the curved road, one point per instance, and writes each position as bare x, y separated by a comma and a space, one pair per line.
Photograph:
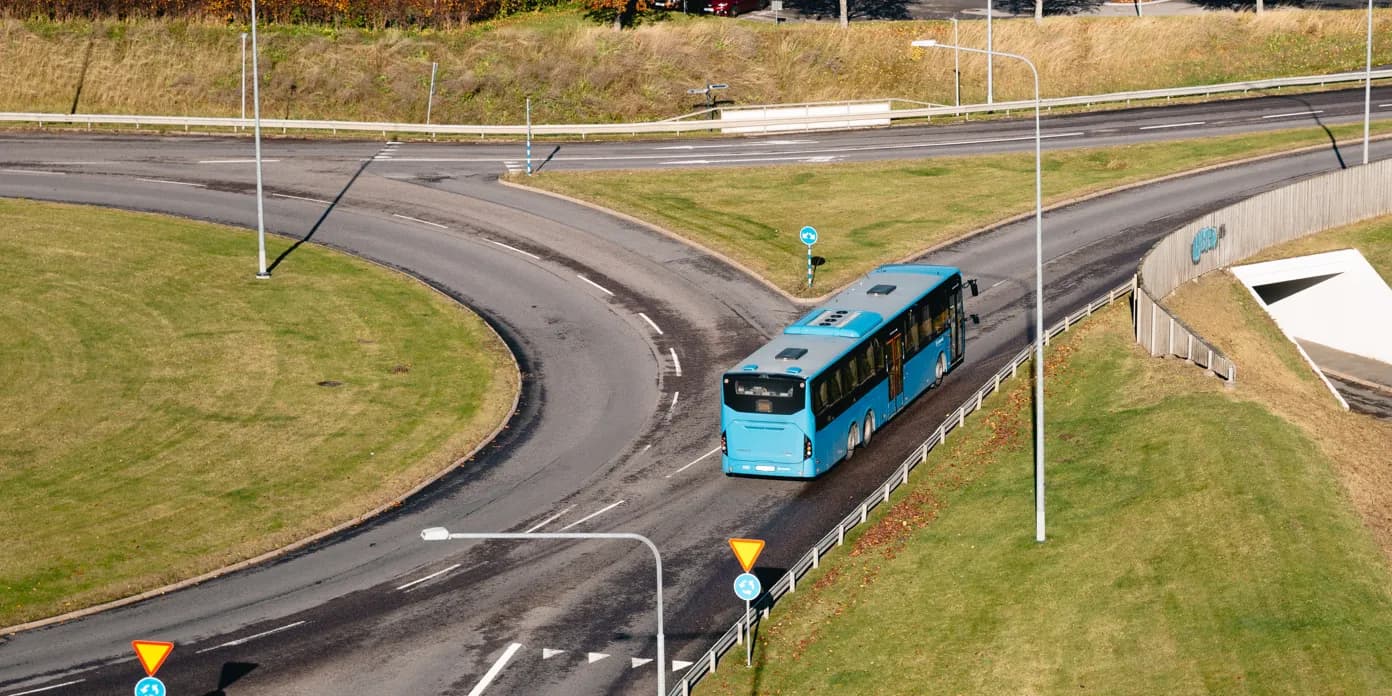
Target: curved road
621, 333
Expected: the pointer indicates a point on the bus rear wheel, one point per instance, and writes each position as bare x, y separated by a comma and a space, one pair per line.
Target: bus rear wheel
852, 440
869, 429
939, 370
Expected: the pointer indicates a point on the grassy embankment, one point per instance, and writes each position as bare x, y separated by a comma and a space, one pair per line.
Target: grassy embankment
875, 212
578, 71
165, 413
1198, 542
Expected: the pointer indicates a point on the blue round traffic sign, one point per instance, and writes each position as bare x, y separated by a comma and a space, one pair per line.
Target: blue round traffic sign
747, 586
808, 235
149, 686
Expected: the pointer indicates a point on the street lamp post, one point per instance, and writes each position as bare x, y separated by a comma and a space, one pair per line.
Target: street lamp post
244, 38
1368, 85
256, 112
956, 68
442, 534
1038, 290
990, 52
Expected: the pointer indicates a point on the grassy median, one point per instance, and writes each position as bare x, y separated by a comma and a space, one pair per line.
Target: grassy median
1197, 543
165, 413
874, 212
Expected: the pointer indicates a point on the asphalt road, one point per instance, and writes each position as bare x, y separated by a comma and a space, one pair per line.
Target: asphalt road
621, 333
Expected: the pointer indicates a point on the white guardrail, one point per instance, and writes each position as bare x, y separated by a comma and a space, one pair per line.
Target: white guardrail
787, 584
678, 126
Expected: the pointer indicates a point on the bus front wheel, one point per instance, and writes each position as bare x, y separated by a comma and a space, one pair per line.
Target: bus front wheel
939, 370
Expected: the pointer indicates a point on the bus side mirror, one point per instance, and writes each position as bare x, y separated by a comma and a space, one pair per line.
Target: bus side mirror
974, 291
817, 260
975, 319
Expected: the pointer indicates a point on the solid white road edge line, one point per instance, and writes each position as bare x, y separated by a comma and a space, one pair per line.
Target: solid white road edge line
300, 198
591, 282
596, 513
166, 181
493, 671
513, 248
693, 463
1173, 125
45, 688
1296, 113
423, 222
248, 639
236, 161
676, 362
549, 520
651, 323
31, 171
431, 576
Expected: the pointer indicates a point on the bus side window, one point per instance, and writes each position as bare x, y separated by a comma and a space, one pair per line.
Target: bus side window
868, 365
925, 322
819, 396
913, 334
851, 374
833, 386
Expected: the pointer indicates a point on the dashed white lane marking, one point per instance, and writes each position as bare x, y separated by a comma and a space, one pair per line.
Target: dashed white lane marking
1384, 106
393, 142
46, 688
548, 653
40, 172
639, 661
673, 405
594, 514
597, 285
431, 576
513, 248
1174, 125
493, 671
166, 181
817, 159
248, 639
651, 323
679, 665
236, 161
300, 198
1295, 113
693, 463
423, 222
549, 520
592, 658
676, 362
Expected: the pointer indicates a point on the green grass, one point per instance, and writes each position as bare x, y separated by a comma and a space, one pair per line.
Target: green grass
576, 70
876, 212
163, 415
1197, 544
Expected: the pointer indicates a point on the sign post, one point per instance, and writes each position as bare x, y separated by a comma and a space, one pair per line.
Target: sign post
808, 235
747, 585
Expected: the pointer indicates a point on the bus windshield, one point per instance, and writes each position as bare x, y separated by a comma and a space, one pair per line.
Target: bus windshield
774, 394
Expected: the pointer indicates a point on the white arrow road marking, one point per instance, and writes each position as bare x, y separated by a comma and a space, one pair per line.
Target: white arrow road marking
45, 688
595, 657
548, 653
639, 661
679, 665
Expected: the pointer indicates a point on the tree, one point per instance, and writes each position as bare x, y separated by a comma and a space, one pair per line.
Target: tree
621, 12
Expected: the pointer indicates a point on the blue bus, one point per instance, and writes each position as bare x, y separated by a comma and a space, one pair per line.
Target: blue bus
807, 399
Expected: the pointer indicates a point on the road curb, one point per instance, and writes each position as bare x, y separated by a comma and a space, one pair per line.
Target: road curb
318, 536
1052, 207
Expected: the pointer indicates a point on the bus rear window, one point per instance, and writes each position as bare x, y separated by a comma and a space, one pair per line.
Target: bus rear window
765, 394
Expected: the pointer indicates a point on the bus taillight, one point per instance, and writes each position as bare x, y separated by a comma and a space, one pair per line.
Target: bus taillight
806, 447
724, 448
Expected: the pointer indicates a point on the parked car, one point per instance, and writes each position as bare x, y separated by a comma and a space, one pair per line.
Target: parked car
732, 8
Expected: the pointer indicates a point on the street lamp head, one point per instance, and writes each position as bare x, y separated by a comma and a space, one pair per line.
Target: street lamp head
435, 534
924, 43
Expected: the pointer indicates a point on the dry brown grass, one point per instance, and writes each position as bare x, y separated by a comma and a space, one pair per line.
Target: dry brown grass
1271, 372
576, 70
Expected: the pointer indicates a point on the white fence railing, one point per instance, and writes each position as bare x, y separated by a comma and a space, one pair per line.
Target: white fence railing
787, 584
675, 126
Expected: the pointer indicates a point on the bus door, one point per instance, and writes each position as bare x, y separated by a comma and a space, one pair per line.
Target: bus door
896, 368
959, 329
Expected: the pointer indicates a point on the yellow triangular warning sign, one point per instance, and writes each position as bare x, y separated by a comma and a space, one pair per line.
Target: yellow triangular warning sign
152, 654
747, 551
